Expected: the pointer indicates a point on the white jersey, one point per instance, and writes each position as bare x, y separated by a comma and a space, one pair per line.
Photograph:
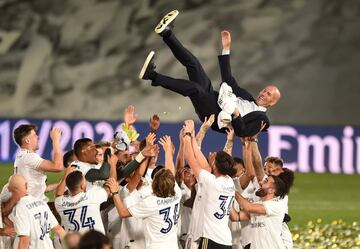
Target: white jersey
131, 227
185, 211
82, 211
32, 217
285, 231
196, 220
27, 164
84, 168
160, 218
5, 241
266, 229
218, 193
249, 194
235, 227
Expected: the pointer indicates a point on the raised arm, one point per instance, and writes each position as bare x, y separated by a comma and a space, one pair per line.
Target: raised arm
205, 126
189, 152
256, 156
60, 189
167, 145
148, 151
129, 116
200, 157
257, 161
56, 165
248, 162
229, 140
136, 177
180, 158
120, 207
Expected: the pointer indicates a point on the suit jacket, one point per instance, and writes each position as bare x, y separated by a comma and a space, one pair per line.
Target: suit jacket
249, 124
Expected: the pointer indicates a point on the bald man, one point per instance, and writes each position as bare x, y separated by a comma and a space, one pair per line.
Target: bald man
32, 218
234, 105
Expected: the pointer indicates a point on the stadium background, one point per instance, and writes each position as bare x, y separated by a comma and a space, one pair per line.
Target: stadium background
78, 60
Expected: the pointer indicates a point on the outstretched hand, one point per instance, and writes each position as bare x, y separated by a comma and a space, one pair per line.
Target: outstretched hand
166, 143
189, 126
112, 184
150, 139
208, 122
230, 133
226, 39
129, 115
262, 127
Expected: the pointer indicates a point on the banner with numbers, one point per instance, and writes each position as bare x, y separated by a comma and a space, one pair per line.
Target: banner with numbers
304, 149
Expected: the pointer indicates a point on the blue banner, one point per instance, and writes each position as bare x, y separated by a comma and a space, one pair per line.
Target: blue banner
304, 149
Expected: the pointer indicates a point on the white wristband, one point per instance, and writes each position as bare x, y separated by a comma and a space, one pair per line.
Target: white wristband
225, 52
140, 157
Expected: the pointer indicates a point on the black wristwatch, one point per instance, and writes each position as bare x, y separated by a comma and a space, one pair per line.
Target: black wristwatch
114, 193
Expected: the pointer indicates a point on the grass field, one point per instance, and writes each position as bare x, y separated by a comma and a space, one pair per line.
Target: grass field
325, 196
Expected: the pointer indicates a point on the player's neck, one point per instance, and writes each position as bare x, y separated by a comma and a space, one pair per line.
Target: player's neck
28, 148
76, 192
267, 197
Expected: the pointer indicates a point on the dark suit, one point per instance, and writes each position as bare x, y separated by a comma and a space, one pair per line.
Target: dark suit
201, 93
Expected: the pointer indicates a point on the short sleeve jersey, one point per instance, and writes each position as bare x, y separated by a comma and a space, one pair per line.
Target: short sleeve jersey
82, 211
219, 193
27, 164
266, 229
32, 217
84, 168
160, 218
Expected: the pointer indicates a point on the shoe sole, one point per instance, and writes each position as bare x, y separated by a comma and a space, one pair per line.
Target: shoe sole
146, 64
166, 20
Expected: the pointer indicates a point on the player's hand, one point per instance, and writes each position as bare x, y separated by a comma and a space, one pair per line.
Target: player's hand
226, 39
208, 122
166, 143
8, 231
262, 127
112, 184
55, 134
154, 123
112, 160
150, 139
150, 151
230, 133
69, 170
129, 115
189, 126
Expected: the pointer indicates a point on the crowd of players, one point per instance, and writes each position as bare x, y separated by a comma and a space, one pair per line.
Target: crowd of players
115, 194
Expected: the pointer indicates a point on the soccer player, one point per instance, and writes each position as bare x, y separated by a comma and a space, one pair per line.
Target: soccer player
31, 165
80, 210
266, 217
215, 193
5, 232
274, 166
32, 218
160, 210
